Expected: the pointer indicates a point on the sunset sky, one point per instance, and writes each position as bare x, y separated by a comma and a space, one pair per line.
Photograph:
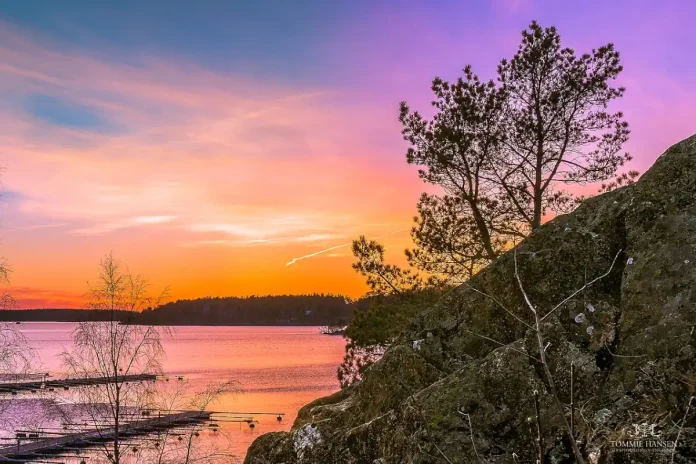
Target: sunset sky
208, 144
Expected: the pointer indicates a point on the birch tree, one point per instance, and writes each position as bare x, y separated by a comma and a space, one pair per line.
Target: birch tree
112, 350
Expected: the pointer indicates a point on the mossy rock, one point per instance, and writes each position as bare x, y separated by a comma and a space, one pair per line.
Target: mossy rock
630, 337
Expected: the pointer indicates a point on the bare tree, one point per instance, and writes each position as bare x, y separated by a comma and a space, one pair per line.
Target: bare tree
17, 357
113, 350
6, 300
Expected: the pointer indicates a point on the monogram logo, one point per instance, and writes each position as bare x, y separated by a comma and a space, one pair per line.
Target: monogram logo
644, 430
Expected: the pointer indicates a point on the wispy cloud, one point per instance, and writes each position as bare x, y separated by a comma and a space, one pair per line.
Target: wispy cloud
271, 227
42, 226
127, 223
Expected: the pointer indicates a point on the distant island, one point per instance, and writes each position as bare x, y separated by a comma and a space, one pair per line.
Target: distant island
307, 310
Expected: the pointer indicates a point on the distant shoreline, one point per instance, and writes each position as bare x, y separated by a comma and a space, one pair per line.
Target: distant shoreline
277, 310
168, 325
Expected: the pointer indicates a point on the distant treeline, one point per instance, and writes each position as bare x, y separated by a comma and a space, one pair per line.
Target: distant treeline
315, 309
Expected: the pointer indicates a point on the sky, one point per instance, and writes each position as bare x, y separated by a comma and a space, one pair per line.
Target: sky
210, 145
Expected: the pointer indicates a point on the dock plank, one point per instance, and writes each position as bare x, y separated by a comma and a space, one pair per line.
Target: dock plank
43, 446
17, 387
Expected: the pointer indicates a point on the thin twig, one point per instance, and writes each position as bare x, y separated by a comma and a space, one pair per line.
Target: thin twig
572, 398
540, 440
499, 304
547, 371
681, 426
443, 454
580, 289
471, 434
623, 356
526, 298
503, 345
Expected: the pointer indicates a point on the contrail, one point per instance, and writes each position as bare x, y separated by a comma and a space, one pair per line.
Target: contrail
294, 260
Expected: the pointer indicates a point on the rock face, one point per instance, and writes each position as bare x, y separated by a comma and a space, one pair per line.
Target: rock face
464, 391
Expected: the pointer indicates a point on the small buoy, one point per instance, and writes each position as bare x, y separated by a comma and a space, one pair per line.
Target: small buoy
280, 418
83, 462
251, 425
196, 434
135, 450
180, 439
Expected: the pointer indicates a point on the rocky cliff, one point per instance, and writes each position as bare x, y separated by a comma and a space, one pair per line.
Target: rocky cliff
458, 385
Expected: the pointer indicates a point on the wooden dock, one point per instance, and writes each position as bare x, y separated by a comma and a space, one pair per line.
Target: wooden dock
40, 447
55, 384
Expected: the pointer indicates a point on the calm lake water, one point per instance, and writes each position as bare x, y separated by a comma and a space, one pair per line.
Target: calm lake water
277, 369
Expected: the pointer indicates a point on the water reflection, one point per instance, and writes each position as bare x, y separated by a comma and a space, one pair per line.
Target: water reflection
276, 369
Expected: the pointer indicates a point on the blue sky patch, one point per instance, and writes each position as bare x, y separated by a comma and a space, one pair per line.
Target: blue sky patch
62, 112
9, 196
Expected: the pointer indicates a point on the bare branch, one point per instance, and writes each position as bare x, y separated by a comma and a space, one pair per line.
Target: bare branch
500, 305
547, 370
503, 345
681, 426
588, 284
